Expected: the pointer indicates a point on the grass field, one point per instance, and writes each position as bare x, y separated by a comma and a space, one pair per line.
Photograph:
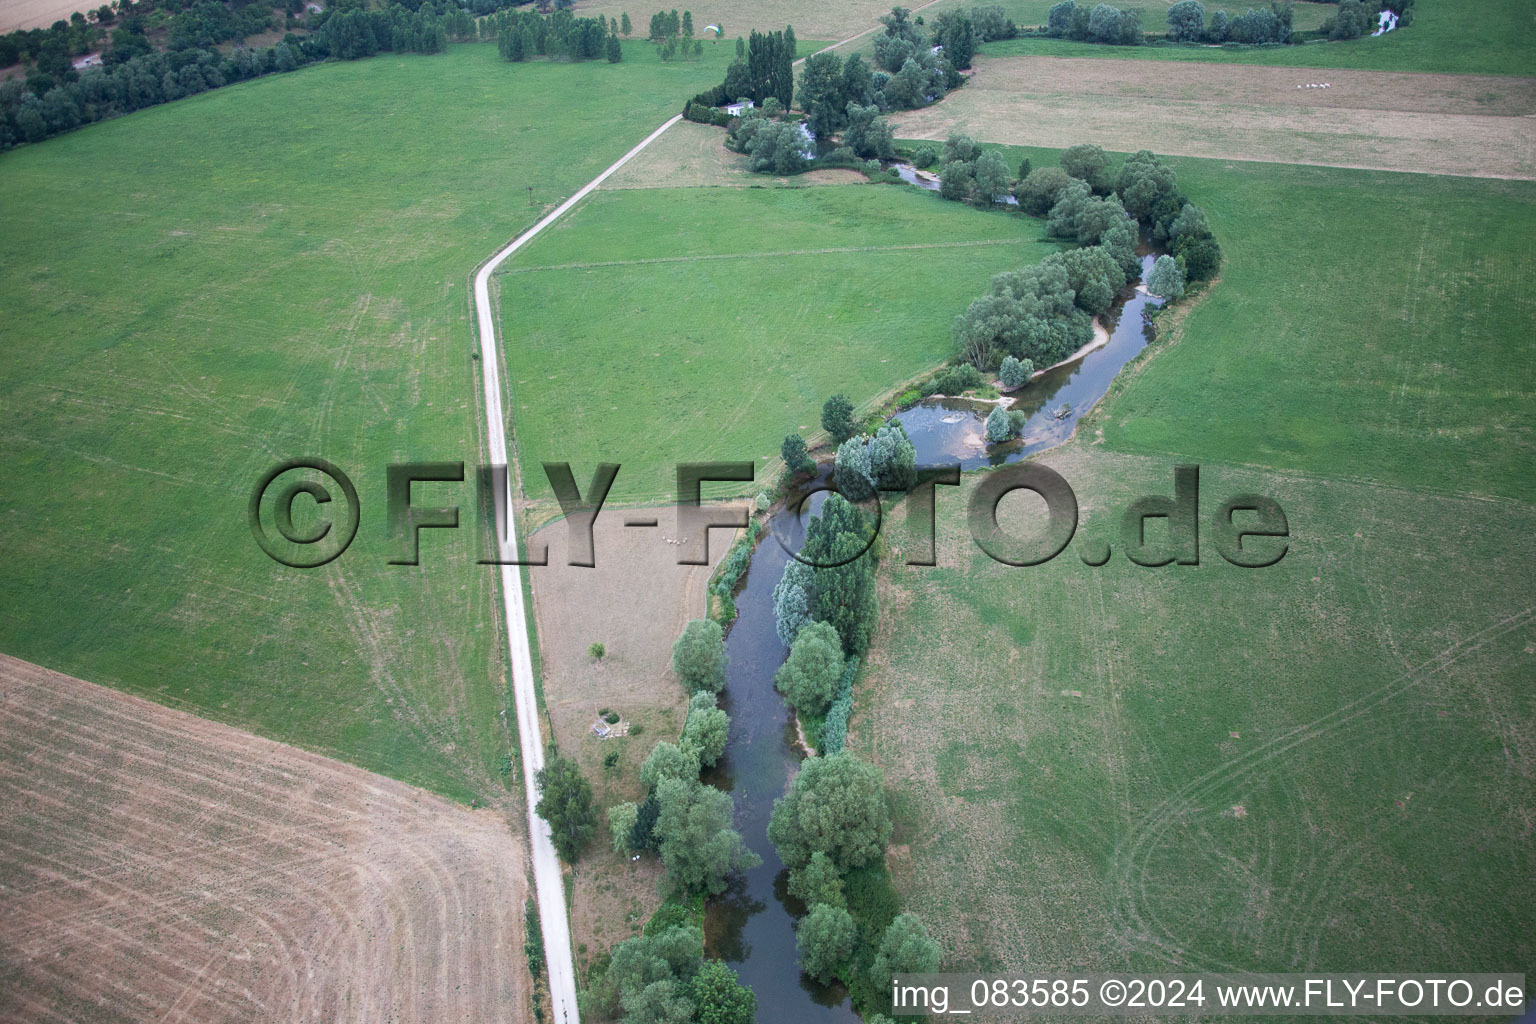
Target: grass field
658, 326
1327, 764
270, 270
1496, 37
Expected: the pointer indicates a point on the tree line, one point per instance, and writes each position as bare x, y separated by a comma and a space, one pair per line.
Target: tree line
133, 75
521, 35
1041, 314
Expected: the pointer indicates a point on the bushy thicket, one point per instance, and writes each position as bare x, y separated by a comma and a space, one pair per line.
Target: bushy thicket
1102, 23
1042, 314
521, 35
1256, 26
834, 733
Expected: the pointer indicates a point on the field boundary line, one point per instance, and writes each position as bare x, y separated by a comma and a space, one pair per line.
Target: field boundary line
549, 885
829, 251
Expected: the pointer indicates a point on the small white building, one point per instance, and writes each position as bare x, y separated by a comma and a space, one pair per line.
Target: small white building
735, 109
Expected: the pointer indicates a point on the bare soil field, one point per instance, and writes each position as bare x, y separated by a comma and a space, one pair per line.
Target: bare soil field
692, 155
635, 601
157, 866
16, 14
1473, 125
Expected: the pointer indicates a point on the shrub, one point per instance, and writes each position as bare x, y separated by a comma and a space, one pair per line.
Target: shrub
699, 658
808, 679
998, 427
1015, 372
596, 650
621, 825
837, 418
565, 801
924, 157
836, 805
834, 732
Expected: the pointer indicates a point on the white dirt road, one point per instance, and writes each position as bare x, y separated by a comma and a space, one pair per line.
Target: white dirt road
548, 883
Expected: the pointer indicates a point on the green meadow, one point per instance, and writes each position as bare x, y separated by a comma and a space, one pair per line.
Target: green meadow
1496, 37
277, 269
658, 326
1324, 764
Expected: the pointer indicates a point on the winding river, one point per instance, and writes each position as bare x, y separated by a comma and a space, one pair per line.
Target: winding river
752, 927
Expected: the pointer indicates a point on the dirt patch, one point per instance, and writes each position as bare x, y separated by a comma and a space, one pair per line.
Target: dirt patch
691, 155
157, 866
1469, 125
635, 602
15, 14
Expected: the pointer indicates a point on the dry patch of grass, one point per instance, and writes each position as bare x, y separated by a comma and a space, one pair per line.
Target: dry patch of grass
635, 602
1469, 125
157, 866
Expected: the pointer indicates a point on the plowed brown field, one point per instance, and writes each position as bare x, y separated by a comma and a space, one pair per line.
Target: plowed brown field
156, 866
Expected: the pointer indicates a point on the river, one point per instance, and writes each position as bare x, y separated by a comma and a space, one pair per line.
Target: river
752, 926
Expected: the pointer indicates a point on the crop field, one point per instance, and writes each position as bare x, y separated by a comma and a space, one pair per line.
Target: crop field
658, 326
739, 17
1443, 124
160, 867
271, 270
15, 14
1495, 37
1328, 762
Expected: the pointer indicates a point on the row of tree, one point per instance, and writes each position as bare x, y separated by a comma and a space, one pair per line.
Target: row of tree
1102, 23
1043, 313
521, 35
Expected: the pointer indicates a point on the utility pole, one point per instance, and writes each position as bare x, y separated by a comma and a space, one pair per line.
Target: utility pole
530, 195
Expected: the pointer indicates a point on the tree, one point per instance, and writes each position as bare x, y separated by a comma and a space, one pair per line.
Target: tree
613, 51
596, 651
1350, 22
1186, 21
1025, 166
720, 998
698, 846
893, 458
1146, 185
1166, 280
821, 93
647, 972
565, 801
669, 761
792, 601
817, 882
955, 33
836, 544
778, 148
858, 81
1088, 162
699, 657
621, 825
992, 178
706, 729
960, 146
904, 949
868, 134
808, 678
825, 940
796, 460
625, 25
851, 471
1201, 257
1015, 372
998, 427
837, 418
836, 806
1040, 189
1093, 275
956, 180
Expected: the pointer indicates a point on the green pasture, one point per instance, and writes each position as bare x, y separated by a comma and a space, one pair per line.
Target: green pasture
276, 269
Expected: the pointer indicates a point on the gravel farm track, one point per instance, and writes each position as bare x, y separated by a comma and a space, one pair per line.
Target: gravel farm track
156, 866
